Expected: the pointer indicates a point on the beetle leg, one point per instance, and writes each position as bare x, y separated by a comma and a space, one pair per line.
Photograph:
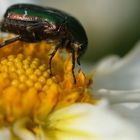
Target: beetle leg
78, 60
6, 42
59, 45
73, 63
52, 55
35, 26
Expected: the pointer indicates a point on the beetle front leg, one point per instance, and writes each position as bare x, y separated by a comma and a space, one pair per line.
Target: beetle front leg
73, 64
6, 42
52, 55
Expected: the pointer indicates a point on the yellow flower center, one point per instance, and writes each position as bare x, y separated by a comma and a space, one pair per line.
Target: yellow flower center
28, 90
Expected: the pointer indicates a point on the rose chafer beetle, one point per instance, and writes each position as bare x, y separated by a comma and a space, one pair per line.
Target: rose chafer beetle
32, 23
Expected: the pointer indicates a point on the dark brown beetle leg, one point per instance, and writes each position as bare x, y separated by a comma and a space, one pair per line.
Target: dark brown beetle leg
52, 55
6, 42
73, 64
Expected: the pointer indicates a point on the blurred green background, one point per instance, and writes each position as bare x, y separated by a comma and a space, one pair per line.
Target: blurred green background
113, 26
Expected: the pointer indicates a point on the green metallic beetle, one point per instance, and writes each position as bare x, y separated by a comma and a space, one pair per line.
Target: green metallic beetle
34, 23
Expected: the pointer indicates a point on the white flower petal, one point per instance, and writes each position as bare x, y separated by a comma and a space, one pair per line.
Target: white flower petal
125, 102
22, 132
88, 122
130, 111
5, 134
119, 74
119, 96
118, 80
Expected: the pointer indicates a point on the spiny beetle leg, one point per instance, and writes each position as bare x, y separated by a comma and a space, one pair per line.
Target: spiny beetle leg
52, 55
78, 61
73, 64
6, 42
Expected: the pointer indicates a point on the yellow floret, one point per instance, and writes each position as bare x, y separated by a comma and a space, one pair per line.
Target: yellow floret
28, 90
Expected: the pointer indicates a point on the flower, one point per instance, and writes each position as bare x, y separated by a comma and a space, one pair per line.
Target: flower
27, 77
37, 106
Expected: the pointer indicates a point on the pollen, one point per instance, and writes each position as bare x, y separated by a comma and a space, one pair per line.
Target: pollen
28, 90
